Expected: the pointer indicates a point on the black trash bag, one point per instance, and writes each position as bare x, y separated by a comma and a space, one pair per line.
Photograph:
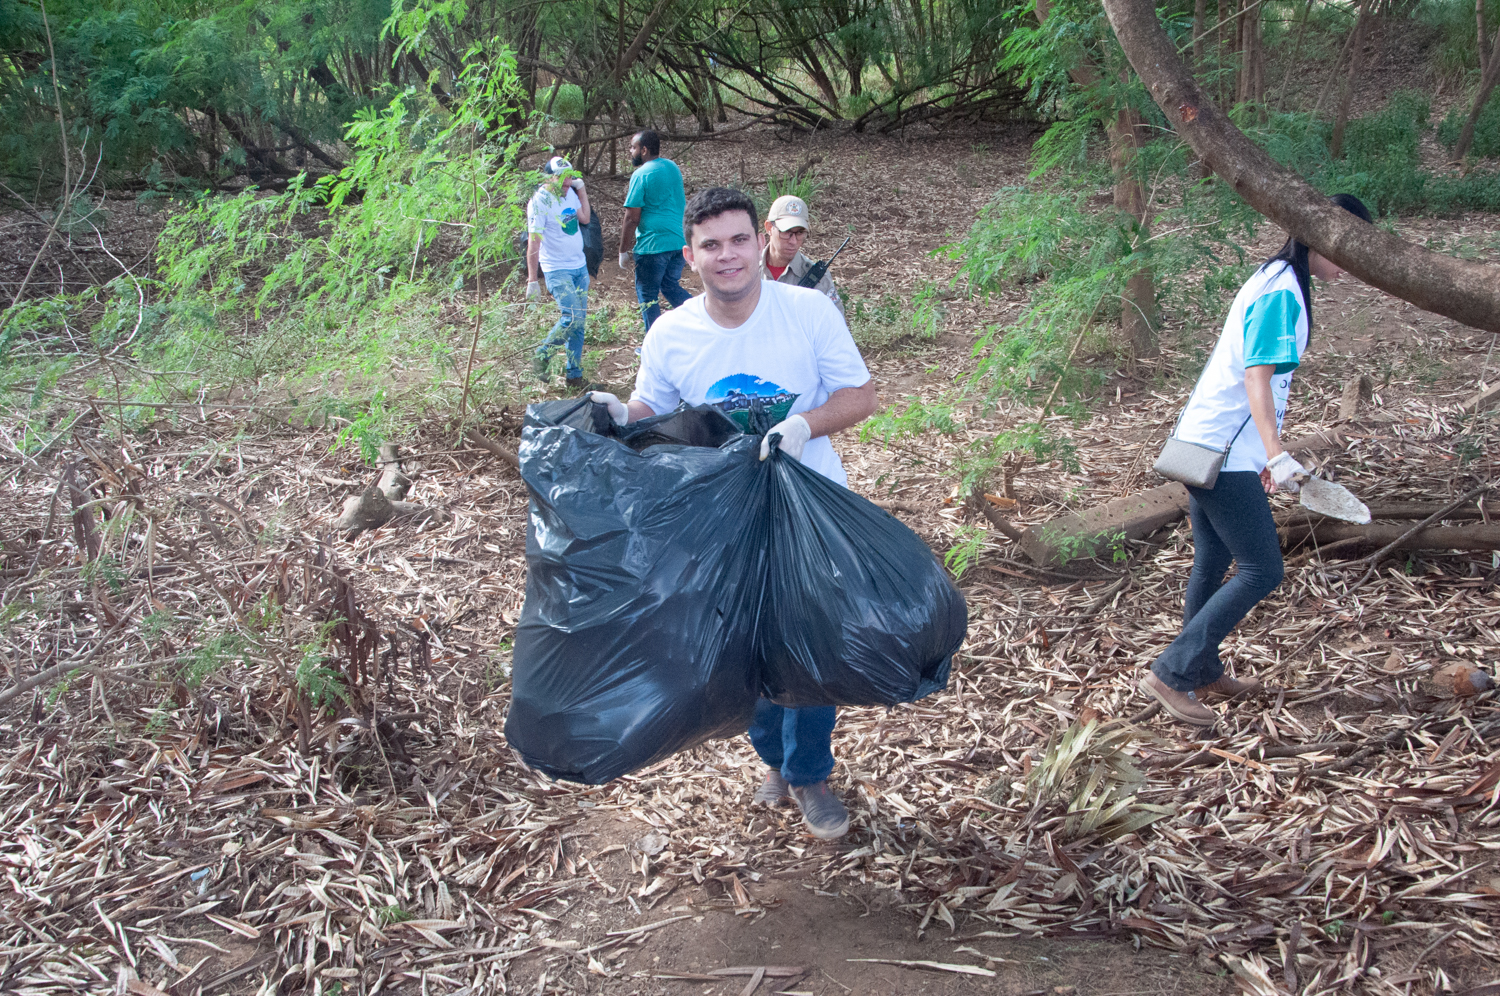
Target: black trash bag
675, 579
593, 243
858, 609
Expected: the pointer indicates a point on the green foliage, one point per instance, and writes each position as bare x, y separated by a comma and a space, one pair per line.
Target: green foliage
1452, 21
891, 323
164, 89
104, 569
393, 914
804, 185
156, 624
367, 428
352, 243
1081, 547
1380, 162
1486, 129
969, 542
322, 686
210, 658
345, 276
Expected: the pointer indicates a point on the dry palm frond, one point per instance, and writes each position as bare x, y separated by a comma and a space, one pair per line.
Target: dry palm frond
1091, 768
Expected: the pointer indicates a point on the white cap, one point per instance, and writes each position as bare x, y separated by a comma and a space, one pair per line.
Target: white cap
788, 212
556, 165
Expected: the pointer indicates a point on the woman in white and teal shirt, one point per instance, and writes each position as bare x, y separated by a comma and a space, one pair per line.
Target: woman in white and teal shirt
1239, 402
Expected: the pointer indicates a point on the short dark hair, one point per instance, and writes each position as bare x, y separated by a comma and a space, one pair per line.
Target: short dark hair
650, 141
713, 202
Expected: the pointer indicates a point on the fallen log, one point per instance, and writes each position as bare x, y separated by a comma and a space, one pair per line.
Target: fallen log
1299, 517
1080, 533
1488, 398
1350, 537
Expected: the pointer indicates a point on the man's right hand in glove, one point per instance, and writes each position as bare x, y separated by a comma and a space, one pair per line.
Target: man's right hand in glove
617, 410
533, 289
625, 260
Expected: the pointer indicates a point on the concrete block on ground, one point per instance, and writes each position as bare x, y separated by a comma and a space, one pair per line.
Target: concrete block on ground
1078, 533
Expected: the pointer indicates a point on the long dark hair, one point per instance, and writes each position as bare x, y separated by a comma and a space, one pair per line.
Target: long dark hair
1294, 253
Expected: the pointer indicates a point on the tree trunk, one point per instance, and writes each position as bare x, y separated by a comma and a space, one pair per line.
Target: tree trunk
1138, 313
1467, 292
1486, 87
814, 67
1200, 15
1220, 14
1296, 51
1489, 75
1200, 27
1356, 56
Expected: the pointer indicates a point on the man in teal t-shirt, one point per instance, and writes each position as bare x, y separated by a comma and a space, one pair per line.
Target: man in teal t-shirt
654, 204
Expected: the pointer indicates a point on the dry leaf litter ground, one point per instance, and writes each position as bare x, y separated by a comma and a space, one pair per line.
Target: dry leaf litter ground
178, 819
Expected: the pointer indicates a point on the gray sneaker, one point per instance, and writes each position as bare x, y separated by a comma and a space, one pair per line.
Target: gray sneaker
773, 791
540, 365
825, 816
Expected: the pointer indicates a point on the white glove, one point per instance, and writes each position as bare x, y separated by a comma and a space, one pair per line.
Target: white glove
617, 409
1283, 469
533, 289
795, 432
624, 260
576, 183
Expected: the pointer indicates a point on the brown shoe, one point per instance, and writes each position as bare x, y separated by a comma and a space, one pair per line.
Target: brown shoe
1229, 688
1181, 705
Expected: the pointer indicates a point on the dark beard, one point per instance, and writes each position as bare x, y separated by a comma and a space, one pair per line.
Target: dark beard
636, 160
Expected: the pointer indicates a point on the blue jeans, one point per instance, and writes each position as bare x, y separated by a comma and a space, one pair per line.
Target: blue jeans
656, 275
798, 741
570, 289
1231, 521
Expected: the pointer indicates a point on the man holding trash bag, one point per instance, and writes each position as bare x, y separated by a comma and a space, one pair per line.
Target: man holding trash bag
747, 343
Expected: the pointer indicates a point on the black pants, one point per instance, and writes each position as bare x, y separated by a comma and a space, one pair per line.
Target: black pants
1231, 521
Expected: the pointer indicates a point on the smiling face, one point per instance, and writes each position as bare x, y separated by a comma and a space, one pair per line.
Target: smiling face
725, 253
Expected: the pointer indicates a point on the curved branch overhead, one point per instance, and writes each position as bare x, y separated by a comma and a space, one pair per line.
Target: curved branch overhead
1464, 291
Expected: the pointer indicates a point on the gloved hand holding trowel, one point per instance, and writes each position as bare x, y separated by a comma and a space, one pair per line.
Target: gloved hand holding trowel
1318, 495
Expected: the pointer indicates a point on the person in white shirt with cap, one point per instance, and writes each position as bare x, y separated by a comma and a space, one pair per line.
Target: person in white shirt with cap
554, 217
782, 259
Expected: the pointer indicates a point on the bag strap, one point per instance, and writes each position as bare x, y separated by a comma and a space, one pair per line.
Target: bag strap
1237, 432
1189, 403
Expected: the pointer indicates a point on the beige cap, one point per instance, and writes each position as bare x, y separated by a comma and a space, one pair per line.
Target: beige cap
788, 212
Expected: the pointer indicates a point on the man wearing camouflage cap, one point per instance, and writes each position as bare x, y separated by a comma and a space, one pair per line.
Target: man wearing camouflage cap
782, 260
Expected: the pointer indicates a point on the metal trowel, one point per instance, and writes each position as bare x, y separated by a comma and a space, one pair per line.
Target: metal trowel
1333, 500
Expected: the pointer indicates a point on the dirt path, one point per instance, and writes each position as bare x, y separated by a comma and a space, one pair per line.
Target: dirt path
814, 940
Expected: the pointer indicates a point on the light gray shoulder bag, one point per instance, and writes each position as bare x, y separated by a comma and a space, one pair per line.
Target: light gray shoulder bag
1193, 464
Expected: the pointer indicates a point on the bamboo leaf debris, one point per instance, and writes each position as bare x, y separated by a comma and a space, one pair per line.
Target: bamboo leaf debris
303, 780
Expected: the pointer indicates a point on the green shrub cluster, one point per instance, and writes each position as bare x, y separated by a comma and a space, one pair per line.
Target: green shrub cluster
1486, 129
1381, 161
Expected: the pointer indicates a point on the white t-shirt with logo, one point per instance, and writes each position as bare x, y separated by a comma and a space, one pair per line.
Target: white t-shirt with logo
791, 354
1267, 324
556, 221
